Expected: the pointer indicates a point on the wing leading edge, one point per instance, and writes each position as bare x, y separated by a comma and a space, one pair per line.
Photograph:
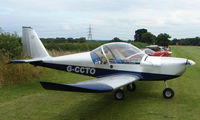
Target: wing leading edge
103, 84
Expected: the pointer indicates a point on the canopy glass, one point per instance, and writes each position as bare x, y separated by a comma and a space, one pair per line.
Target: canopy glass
117, 53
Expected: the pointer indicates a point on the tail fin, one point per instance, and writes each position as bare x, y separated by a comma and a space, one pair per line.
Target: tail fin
32, 45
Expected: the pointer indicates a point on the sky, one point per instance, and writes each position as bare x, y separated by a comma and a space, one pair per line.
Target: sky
109, 19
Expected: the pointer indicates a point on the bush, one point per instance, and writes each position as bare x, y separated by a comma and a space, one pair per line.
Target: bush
11, 48
10, 45
15, 73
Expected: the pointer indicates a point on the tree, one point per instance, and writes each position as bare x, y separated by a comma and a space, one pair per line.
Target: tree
148, 38
129, 41
60, 40
163, 39
10, 45
174, 41
70, 40
116, 39
1, 30
82, 40
138, 35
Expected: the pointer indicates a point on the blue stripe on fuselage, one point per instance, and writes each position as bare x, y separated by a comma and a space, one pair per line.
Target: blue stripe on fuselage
100, 72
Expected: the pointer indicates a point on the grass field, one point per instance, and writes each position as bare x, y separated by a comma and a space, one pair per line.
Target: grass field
29, 101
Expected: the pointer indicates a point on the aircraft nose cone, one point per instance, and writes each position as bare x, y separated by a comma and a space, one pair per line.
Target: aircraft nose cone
190, 63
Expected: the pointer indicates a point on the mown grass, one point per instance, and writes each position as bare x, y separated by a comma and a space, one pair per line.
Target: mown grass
28, 100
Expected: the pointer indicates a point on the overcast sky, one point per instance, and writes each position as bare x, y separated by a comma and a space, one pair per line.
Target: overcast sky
109, 19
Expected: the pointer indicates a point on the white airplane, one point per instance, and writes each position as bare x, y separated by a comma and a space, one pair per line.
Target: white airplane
114, 65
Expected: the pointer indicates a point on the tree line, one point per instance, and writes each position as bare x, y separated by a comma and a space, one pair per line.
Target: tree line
186, 41
64, 40
10, 44
142, 35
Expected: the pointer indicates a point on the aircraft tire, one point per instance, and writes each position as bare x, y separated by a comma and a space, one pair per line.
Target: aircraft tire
131, 87
119, 94
168, 93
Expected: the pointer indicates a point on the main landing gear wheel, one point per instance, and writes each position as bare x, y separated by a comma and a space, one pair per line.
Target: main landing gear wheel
131, 87
168, 93
119, 94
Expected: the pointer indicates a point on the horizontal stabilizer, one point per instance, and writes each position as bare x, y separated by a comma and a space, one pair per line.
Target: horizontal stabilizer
90, 87
24, 61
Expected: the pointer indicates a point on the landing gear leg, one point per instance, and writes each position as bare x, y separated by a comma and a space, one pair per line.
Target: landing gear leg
168, 93
131, 87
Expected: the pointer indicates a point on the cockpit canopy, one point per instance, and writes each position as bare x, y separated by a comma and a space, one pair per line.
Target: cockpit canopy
117, 53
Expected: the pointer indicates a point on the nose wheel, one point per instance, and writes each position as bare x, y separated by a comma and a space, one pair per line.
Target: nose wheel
168, 93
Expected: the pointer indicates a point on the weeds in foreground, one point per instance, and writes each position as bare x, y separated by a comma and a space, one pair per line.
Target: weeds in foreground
15, 73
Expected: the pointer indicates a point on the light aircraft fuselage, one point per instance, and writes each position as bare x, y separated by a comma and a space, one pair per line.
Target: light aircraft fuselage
150, 67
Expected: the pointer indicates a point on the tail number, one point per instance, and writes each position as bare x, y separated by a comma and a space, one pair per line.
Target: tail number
82, 70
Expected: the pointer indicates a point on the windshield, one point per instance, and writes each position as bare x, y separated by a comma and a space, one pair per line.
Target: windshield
98, 57
149, 51
117, 53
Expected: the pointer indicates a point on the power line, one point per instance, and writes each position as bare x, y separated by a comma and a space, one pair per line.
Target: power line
90, 33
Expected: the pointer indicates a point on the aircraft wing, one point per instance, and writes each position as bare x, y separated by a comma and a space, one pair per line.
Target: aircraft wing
103, 84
